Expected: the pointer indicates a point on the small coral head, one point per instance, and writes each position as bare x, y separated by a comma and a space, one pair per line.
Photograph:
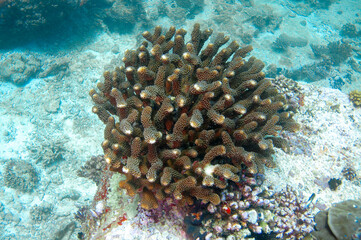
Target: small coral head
188, 116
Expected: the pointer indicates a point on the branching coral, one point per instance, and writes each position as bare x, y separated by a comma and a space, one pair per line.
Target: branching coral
182, 119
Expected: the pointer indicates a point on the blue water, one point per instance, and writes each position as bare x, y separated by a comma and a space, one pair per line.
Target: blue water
53, 52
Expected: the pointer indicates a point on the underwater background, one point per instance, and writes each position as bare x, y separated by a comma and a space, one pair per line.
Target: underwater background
55, 182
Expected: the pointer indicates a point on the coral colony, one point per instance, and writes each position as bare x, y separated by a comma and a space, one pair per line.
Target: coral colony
355, 97
193, 122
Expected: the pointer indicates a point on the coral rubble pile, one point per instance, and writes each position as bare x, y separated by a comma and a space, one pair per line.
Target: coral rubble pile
182, 119
247, 211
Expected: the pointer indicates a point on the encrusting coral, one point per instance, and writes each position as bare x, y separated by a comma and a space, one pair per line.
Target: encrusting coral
340, 221
183, 119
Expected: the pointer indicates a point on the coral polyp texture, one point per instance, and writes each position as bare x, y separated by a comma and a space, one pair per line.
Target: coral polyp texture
184, 118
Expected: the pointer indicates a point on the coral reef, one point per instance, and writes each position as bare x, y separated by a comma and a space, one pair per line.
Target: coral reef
349, 173
182, 119
47, 152
20, 175
293, 215
122, 15
331, 56
246, 212
179, 10
336, 52
308, 73
192, 7
349, 30
92, 169
246, 38
355, 97
41, 212
341, 221
291, 90
338, 82
266, 21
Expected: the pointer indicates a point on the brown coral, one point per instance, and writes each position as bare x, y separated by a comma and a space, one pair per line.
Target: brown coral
189, 117
355, 98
